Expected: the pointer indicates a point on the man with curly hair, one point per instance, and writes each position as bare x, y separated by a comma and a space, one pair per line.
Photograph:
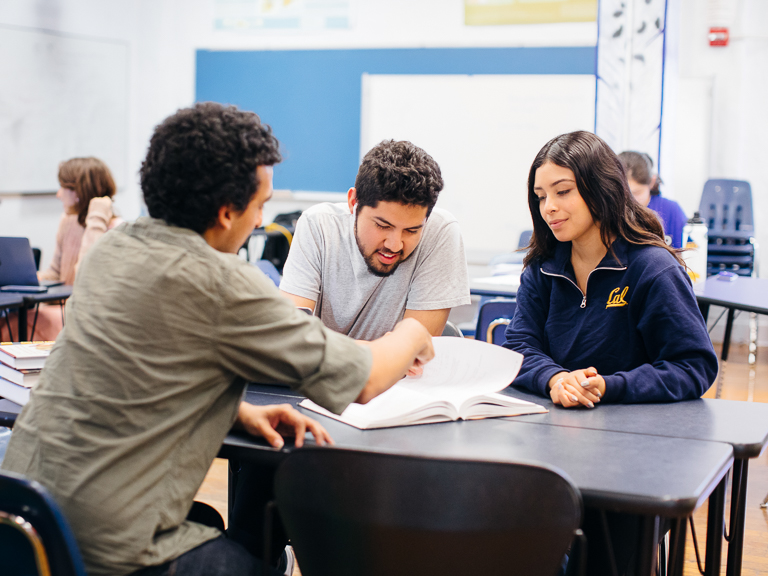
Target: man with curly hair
164, 327
384, 255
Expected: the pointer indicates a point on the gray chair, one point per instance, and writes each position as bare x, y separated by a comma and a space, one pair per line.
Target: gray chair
355, 513
452, 330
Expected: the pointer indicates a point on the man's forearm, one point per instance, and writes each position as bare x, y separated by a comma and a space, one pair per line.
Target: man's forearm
393, 354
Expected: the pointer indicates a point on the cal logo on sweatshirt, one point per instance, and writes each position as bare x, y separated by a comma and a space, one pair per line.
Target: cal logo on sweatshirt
616, 298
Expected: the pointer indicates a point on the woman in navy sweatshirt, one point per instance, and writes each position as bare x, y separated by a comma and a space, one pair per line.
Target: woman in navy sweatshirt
605, 309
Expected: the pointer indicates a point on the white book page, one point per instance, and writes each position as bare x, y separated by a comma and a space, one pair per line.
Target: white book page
389, 408
464, 368
494, 404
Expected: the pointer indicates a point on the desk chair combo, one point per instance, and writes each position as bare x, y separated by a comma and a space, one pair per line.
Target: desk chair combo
355, 513
19, 263
726, 206
493, 318
35, 538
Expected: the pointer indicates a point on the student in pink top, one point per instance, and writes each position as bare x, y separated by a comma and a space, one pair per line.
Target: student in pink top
86, 190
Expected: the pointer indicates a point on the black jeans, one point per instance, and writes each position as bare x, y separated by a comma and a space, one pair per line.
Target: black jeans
219, 557
222, 556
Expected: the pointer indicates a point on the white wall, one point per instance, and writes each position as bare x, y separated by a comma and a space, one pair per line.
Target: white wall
719, 117
728, 84
164, 34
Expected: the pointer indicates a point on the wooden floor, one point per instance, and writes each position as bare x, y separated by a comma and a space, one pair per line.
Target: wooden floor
739, 382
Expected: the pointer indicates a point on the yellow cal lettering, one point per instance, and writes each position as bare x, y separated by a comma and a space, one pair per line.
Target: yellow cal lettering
616, 298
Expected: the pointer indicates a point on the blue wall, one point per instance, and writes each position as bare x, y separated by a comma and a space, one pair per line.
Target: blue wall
312, 98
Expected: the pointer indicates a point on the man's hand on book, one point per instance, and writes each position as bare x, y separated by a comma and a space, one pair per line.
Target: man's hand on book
577, 388
276, 419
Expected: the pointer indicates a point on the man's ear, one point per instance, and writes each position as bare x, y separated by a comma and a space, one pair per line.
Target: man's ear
224, 217
352, 200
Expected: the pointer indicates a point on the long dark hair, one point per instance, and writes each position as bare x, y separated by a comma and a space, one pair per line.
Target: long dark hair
602, 183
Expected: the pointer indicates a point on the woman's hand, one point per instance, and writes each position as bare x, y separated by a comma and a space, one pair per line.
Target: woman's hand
101, 205
580, 387
270, 421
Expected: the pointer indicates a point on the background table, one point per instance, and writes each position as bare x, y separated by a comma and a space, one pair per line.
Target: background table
504, 286
53, 294
10, 301
744, 293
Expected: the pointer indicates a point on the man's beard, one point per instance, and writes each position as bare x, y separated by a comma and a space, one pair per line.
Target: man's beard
370, 261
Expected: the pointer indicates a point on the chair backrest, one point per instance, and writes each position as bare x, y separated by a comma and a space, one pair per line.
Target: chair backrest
494, 312
726, 205
452, 330
269, 270
33, 531
5, 436
365, 514
525, 239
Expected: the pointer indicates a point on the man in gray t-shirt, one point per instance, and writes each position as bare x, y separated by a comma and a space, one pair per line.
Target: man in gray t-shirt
385, 255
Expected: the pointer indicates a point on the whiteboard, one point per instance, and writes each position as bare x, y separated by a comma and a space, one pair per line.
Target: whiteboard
484, 132
60, 97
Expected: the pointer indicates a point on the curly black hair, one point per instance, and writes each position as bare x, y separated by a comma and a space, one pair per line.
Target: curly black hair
395, 171
203, 158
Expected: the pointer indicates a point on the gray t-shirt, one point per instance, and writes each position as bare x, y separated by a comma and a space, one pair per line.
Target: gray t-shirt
146, 378
325, 265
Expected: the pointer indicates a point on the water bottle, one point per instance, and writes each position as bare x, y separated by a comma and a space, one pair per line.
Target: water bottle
695, 245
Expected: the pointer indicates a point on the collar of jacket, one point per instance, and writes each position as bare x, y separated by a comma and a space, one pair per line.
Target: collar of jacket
560, 263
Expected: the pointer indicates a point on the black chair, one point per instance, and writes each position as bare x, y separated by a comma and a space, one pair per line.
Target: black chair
493, 318
726, 207
35, 538
367, 514
37, 253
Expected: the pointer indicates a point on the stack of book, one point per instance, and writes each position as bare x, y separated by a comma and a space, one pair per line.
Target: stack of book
20, 366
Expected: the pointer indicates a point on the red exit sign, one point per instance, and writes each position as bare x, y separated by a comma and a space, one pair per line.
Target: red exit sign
718, 36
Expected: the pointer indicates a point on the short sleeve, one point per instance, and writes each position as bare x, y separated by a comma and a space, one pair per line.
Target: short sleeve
263, 337
302, 273
441, 279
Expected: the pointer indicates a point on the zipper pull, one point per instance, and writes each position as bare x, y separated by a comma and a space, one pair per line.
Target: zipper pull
584, 302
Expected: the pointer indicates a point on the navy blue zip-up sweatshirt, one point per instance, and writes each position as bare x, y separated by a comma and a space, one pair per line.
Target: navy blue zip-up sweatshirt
638, 324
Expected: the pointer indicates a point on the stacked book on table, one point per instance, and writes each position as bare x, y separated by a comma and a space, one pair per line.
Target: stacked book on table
20, 366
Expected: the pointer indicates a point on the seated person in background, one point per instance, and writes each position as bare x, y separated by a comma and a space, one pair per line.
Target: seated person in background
644, 185
165, 326
384, 255
86, 188
605, 309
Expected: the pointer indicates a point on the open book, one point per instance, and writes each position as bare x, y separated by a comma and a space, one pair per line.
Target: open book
460, 383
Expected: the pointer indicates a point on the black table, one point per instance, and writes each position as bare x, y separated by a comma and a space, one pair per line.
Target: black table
8, 412
30, 300
10, 301
744, 293
743, 425
647, 475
